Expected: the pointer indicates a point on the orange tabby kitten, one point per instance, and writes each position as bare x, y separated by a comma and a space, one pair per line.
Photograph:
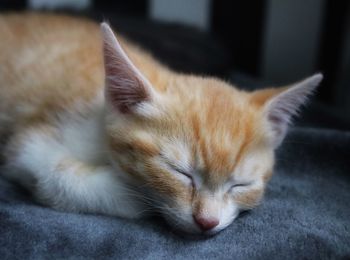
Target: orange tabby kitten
94, 125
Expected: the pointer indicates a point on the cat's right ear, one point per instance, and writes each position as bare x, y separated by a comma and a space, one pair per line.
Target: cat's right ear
126, 88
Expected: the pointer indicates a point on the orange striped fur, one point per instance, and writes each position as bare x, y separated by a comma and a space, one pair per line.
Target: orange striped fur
198, 148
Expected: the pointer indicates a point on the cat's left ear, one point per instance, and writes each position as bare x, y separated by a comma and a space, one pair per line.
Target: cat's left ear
281, 104
127, 89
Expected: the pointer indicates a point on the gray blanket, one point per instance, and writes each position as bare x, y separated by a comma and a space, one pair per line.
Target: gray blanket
305, 215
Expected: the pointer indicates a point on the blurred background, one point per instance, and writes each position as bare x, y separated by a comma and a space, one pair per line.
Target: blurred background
252, 44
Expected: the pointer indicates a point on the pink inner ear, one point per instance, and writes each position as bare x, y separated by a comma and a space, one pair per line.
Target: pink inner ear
125, 85
123, 89
281, 108
279, 116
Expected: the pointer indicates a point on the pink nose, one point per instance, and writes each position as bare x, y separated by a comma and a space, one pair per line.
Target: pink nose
206, 223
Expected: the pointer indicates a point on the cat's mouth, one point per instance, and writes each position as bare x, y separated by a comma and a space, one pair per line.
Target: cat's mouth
200, 235
190, 230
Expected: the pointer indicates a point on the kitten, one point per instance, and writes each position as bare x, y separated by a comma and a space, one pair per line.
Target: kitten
98, 126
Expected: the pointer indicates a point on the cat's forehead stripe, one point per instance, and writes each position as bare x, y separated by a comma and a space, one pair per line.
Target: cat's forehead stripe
222, 139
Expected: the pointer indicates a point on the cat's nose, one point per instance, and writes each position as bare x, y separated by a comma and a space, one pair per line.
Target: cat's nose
206, 223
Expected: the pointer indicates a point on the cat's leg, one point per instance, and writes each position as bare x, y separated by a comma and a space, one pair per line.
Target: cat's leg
40, 162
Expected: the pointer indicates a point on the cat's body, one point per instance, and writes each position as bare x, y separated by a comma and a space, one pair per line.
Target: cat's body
52, 83
195, 149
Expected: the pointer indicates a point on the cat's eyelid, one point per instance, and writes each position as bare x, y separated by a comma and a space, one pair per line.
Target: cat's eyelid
179, 169
238, 185
243, 184
184, 170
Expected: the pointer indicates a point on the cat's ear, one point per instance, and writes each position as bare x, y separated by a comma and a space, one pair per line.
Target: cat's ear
281, 104
126, 88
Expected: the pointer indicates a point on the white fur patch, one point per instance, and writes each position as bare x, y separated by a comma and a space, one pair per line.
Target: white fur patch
67, 172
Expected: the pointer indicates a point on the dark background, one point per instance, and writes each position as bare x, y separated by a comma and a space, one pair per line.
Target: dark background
250, 43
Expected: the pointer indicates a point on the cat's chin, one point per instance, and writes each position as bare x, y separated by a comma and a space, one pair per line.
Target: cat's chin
200, 235
191, 232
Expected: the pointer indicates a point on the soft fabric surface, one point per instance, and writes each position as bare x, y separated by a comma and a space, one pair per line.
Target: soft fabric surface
305, 215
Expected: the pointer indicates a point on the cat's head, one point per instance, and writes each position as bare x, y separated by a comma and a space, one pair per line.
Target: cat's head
198, 149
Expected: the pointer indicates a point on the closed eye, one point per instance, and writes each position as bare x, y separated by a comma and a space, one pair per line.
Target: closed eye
183, 173
240, 185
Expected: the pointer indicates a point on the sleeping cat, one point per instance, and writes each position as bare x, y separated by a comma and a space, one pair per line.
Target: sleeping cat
95, 124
